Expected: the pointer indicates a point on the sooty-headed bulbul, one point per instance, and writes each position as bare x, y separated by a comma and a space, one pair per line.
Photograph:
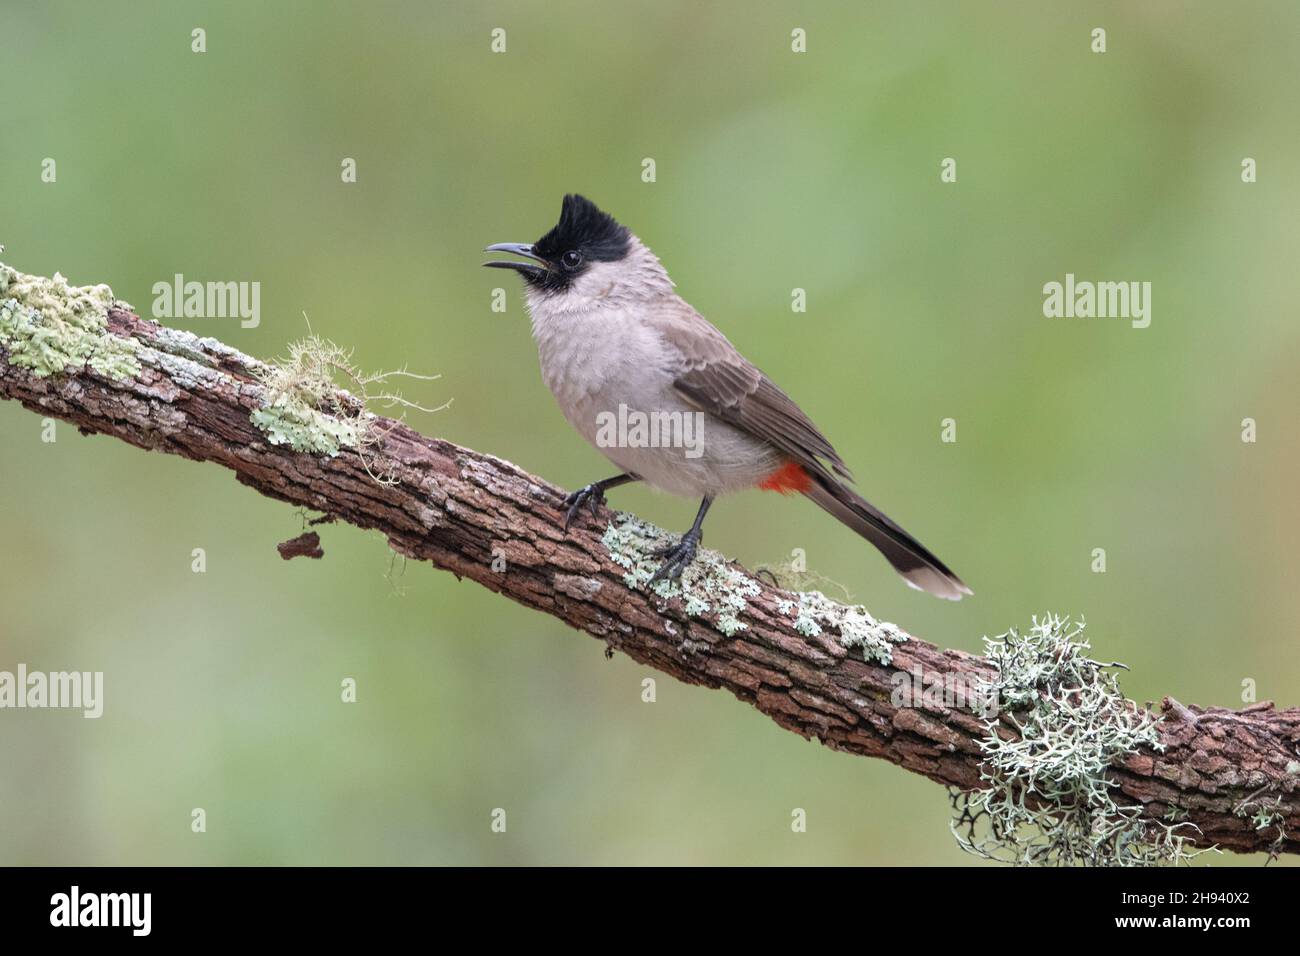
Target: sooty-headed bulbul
613, 336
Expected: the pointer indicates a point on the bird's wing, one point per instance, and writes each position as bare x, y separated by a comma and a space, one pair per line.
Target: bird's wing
717, 379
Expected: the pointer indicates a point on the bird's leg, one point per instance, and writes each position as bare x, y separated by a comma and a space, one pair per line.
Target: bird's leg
592, 495
677, 557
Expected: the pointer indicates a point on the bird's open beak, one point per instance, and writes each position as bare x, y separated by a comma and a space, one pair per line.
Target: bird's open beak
518, 249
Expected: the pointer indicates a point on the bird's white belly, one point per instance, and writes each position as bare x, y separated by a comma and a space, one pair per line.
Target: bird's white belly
613, 380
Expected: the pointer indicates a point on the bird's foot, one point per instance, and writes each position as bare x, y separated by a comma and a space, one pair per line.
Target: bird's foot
592, 495
677, 558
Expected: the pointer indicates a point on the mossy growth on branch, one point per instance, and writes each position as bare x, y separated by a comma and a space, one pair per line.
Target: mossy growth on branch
710, 585
814, 612
316, 399
303, 407
1049, 799
49, 326
713, 586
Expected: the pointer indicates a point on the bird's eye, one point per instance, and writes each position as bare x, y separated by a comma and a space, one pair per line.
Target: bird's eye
572, 259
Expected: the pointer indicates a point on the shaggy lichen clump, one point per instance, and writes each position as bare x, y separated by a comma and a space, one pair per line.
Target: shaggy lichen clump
1049, 800
48, 326
710, 585
303, 406
315, 401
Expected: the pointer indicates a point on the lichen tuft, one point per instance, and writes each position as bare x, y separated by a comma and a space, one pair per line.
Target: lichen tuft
307, 407
1049, 799
49, 326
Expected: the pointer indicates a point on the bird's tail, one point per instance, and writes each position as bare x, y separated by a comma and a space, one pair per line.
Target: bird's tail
919, 568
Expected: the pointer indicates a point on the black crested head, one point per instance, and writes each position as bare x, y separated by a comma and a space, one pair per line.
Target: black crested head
597, 235
583, 235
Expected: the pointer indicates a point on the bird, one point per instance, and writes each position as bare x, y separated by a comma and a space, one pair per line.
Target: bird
614, 339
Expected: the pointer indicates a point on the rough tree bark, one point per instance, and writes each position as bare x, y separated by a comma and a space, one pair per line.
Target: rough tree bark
453, 506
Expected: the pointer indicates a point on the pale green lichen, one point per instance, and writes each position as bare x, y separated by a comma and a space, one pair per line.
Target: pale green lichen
306, 429
1266, 814
1269, 816
815, 612
1049, 798
712, 586
303, 407
708, 586
49, 326
306, 404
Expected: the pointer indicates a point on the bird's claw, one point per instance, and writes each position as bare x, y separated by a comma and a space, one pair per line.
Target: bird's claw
592, 495
677, 558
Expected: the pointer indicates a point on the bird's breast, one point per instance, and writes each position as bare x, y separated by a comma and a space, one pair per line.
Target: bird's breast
601, 358
613, 377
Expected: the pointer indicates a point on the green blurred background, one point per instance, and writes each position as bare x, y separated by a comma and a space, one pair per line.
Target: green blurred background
775, 170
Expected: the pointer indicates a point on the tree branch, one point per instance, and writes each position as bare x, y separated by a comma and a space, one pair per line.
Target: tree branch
458, 509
